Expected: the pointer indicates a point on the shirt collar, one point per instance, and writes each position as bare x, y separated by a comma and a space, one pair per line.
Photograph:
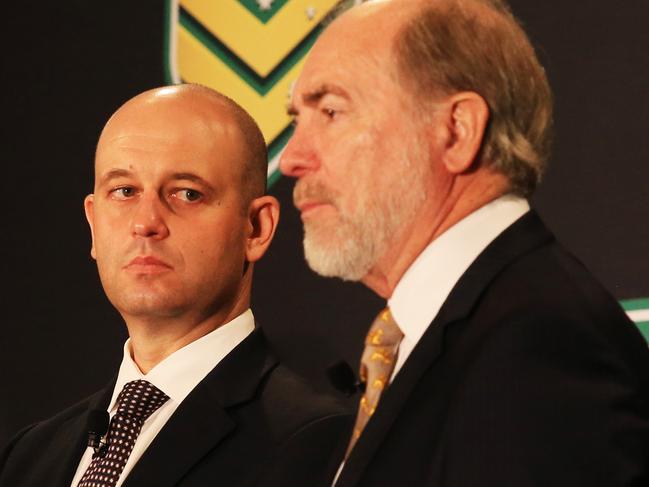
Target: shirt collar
181, 371
426, 284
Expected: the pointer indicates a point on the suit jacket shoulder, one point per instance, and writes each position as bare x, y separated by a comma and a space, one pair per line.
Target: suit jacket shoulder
308, 427
531, 374
260, 425
50, 449
250, 422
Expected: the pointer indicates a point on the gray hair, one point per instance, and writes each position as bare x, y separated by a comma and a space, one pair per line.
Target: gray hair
477, 45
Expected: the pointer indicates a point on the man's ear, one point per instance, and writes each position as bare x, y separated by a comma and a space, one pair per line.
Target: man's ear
263, 216
88, 206
469, 114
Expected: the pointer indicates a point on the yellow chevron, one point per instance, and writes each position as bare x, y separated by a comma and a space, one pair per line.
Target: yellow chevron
261, 46
198, 65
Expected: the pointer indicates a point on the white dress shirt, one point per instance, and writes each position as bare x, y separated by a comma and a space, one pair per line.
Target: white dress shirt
176, 376
426, 284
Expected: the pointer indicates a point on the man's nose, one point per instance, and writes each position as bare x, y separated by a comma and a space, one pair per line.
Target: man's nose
149, 219
299, 156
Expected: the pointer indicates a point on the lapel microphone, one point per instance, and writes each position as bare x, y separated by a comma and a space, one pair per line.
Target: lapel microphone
98, 420
343, 378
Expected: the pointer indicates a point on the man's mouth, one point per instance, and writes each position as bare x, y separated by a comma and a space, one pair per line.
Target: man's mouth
306, 207
147, 264
311, 198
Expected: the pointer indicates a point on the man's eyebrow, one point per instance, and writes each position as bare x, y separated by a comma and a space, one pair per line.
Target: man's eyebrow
188, 176
177, 176
114, 174
314, 96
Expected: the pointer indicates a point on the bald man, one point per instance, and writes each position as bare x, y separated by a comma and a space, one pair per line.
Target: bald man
178, 218
499, 361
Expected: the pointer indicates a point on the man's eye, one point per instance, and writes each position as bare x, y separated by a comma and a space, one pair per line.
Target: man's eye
188, 195
330, 112
123, 192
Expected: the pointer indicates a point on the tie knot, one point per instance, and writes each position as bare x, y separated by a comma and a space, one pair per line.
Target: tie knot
384, 331
139, 399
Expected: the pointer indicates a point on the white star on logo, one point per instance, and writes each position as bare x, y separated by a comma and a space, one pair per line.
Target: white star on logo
265, 4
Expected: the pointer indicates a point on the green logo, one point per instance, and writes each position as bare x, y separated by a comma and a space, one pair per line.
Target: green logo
249, 50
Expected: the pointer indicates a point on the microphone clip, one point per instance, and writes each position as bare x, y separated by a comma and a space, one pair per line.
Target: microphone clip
343, 378
98, 421
100, 448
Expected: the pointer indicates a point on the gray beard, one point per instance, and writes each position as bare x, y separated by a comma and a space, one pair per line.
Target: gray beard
351, 246
348, 251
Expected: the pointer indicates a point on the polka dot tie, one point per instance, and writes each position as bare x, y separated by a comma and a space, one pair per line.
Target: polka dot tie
377, 364
137, 401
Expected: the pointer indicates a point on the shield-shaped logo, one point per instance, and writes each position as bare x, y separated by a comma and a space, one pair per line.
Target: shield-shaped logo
249, 50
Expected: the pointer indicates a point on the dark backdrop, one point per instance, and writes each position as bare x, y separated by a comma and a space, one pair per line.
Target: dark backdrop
68, 65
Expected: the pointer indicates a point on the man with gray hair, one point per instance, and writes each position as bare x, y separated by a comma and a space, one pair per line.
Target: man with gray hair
499, 360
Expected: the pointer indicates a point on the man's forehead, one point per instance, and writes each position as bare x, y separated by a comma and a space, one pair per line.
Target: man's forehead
343, 72
157, 159
132, 139
350, 43
149, 137
168, 125
372, 22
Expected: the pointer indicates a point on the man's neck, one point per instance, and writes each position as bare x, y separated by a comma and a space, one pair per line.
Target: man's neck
463, 197
154, 339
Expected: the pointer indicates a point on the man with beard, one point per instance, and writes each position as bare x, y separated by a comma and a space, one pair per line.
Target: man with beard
178, 218
499, 359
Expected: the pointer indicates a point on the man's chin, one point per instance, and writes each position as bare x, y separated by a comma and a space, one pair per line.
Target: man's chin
336, 259
148, 305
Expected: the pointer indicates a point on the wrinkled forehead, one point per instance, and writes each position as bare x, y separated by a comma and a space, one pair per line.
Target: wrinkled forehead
357, 44
186, 118
157, 130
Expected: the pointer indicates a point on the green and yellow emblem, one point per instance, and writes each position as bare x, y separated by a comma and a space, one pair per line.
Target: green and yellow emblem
250, 50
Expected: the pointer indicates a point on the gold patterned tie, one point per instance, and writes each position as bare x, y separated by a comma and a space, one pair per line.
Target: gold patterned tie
377, 364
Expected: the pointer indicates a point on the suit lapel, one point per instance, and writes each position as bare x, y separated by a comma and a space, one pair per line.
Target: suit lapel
202, 421
524, 235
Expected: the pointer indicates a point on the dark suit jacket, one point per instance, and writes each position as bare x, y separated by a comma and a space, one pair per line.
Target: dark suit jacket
530, 375
250, 422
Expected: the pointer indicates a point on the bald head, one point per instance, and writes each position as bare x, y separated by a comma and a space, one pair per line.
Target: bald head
183, 112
